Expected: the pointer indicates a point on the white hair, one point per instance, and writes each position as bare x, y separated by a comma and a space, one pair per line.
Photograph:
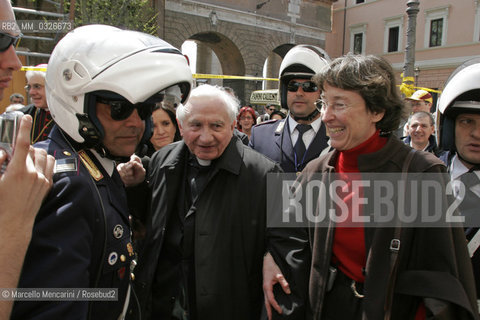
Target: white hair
230, 103
32, 73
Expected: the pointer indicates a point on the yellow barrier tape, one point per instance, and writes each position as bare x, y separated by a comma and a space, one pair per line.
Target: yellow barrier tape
428, 89
195, 75
26, 68
408, 88
401, 86
216, 76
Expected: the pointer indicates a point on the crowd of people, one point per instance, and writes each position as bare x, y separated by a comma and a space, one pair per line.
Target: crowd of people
161, 190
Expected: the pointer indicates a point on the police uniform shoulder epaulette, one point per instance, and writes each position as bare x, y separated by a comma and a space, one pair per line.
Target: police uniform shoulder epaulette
90, 165
267, 122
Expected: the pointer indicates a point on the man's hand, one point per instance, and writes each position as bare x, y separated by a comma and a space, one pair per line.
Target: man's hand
271, 276
132, 172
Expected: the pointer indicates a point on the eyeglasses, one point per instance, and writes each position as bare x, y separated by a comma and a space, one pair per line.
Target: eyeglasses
336, 106
307, 86
122, 109
7, 40
273, 109
35, 86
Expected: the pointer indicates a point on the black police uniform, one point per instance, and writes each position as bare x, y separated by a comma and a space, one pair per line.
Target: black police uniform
272, 139
81, 238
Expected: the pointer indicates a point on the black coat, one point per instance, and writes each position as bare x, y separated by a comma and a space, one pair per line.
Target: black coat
42, 122
229, 234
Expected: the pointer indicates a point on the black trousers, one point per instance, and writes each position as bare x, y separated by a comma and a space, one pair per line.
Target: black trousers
340, 303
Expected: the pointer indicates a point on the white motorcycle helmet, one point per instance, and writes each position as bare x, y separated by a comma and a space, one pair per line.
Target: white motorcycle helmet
301, 62
460, 95
103, 61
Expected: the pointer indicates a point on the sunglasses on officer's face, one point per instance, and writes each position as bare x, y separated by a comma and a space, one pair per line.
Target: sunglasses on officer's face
307, 86
122, 109
7, 40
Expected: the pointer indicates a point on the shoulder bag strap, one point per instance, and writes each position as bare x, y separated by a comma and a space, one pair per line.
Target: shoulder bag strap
395, 246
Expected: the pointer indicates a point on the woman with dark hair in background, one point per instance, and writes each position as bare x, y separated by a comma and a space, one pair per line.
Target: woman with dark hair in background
165, 128
277, 115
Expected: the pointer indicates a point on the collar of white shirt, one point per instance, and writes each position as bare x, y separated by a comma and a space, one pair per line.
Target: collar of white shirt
108, 165
308, 135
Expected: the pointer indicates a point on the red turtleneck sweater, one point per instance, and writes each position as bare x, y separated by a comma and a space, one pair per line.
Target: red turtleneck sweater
349, 252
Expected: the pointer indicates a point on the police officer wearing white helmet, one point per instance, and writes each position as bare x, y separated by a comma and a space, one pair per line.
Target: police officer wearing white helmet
459, 134
279, 140
102, 84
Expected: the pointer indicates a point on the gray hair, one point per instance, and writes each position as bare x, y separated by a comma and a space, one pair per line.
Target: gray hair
230, 103
17, 95
422, 114
32, 73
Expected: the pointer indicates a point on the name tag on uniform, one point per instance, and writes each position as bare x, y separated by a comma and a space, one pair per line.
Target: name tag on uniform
65, 165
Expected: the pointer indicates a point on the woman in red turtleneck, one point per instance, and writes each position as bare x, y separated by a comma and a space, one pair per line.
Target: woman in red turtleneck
360, 106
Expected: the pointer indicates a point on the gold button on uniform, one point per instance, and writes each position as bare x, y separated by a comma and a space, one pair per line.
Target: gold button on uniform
123, 258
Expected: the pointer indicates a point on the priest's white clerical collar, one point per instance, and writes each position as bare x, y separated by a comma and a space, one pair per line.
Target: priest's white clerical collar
204, 163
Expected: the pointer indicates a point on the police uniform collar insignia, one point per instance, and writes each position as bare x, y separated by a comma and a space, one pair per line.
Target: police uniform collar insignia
112, 258
91, 167
118, 231
130, 249
280, 127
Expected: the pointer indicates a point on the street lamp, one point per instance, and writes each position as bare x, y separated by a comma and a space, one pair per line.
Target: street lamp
408, 70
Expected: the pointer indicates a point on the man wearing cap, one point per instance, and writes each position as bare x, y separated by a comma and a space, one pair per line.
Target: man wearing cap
421, 100
301, 137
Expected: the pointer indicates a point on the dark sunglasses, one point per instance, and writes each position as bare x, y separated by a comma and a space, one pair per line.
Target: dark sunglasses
122, 109
7, 40
307, 86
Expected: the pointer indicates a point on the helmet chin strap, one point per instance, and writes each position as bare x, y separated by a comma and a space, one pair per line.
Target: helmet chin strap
475, 166
105, 153
310, 117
